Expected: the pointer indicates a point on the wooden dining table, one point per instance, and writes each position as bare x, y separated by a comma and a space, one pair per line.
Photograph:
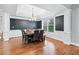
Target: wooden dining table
28, 34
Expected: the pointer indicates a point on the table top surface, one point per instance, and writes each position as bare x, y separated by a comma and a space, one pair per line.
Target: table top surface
30, 32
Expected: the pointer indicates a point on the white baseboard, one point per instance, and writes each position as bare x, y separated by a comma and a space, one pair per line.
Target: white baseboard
68, 43
76, 44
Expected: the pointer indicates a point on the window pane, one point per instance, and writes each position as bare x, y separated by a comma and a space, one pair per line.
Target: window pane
51, 25
51, 29
45, 26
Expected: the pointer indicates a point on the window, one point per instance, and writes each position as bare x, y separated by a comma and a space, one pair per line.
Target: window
59, 23
48, 24
45, 25
51, 25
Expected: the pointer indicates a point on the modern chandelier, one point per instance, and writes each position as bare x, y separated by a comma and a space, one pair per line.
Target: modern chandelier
32, 15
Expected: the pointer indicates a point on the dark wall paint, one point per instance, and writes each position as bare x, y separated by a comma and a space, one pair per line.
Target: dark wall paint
24, 24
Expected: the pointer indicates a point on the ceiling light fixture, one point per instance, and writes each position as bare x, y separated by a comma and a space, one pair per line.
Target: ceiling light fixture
32, 16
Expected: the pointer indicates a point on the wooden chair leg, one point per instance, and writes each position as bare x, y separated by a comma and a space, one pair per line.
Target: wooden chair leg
40, 39
44, 38
23, 41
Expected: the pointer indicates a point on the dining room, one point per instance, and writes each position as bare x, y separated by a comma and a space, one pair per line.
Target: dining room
36, 29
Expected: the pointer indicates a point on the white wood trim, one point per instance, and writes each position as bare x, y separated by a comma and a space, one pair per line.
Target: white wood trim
76, 44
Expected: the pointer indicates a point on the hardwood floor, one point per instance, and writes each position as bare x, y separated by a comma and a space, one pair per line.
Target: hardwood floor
50, 47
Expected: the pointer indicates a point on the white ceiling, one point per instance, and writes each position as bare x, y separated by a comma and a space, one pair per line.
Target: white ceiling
40, 10
9, 8
68, 5
53, 8
26, 11
75, 6
71, 6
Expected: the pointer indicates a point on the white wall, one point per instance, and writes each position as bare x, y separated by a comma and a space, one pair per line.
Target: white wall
75, 26
15, 33
65, 35
6, 26
1, 24
1, 20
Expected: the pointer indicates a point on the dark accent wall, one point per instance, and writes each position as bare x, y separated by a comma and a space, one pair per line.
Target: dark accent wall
17, 24
39, 24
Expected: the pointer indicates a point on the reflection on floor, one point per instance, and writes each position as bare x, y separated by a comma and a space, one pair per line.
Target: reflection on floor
50, 47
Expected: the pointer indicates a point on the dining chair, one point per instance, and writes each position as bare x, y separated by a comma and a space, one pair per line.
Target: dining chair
23, 36
41, 36
36, 35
